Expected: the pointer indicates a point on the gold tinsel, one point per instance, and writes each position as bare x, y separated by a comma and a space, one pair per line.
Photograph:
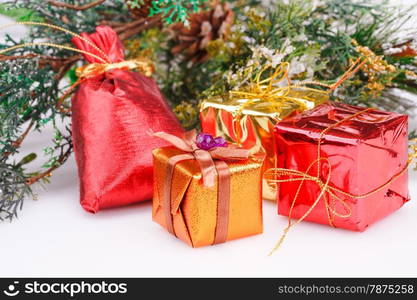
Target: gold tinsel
375, 63
374, 67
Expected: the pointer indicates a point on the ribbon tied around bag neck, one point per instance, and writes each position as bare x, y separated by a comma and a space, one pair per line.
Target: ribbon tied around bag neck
144, 65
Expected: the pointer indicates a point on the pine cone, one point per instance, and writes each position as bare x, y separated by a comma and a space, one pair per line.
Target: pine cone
203, 28
142, 11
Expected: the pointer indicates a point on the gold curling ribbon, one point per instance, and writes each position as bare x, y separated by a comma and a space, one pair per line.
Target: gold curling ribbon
142, 64
269, 91
94, 69
326, 190
85, 72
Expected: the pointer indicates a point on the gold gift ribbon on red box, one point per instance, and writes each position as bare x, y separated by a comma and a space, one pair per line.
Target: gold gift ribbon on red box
325, 187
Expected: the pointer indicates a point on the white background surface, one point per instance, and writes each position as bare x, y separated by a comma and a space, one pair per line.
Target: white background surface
54, 236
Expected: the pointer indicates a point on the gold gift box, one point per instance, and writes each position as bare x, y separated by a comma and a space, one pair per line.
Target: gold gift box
194, 206
249, 122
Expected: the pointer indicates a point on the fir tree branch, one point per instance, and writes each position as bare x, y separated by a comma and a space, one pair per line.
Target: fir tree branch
124, 27
5, 57
16, 144
64, 65
75, 7
62, 158
148, 23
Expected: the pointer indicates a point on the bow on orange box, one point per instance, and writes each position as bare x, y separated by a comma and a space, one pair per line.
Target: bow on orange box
211, 160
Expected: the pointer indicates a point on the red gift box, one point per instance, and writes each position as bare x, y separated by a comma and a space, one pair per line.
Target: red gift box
362, 151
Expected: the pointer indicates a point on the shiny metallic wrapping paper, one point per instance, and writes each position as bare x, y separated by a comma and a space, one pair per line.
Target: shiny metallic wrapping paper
249, 122
194, 207
364, 153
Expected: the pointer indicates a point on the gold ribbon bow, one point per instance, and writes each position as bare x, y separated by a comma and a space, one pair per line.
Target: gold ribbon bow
212, 164
327, 191
269, 89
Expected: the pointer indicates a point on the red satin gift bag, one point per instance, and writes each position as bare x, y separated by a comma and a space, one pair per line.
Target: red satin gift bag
111, 116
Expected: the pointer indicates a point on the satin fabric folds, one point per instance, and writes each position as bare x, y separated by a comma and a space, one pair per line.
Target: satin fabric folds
111, 115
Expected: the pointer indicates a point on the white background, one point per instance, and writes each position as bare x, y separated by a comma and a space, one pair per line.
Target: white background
54, 236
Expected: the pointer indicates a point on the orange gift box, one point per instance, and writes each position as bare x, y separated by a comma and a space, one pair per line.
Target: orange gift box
194, 207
